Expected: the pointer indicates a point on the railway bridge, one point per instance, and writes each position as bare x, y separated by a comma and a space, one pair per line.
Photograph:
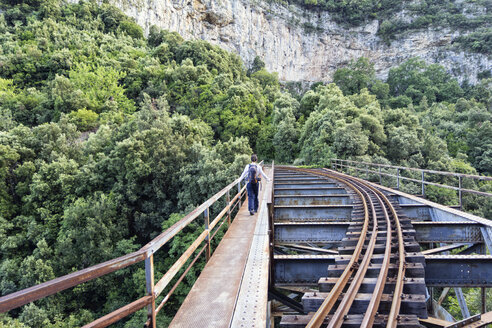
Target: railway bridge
326, 249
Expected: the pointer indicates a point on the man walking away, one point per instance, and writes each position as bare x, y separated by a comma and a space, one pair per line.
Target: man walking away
252, 172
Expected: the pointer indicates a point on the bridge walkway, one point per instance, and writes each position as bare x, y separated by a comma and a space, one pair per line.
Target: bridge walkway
232, 289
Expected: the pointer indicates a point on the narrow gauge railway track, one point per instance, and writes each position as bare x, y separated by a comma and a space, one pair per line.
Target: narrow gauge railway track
377, 223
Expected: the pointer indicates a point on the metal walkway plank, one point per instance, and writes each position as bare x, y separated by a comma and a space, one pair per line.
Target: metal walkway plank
251, 305
212, 299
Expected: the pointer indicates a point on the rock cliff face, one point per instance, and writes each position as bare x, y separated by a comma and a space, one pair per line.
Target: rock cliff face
299, 45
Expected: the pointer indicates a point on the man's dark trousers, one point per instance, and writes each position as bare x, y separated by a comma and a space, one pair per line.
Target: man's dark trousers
252, 196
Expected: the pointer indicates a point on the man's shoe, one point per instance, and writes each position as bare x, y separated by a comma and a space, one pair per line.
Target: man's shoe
251, 213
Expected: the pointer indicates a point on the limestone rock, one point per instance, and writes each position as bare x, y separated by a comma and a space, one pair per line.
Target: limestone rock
299, 45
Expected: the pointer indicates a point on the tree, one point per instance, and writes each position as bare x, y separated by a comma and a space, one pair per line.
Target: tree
415, 79
286, 133
480, 147
342, 125
358, 75
257, 65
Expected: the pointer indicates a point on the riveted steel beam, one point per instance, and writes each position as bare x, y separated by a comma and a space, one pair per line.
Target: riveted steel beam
324, 212
458, 270
301, 269
317, 232
416, 211
306, 185
448, 232
310, 191
335, 199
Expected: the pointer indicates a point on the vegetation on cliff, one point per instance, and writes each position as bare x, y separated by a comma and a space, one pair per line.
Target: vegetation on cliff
396, 17
107, 137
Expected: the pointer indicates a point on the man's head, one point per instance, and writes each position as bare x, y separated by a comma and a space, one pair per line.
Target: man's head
254, 158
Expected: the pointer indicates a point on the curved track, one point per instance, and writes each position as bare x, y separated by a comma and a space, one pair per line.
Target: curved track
380, 225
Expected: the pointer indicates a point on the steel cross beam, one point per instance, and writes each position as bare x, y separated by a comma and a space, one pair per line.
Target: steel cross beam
440, 270
448, 232
458, 270
316, 232
330, 232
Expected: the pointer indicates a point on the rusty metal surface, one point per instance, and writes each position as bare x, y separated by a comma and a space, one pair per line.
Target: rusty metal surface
432, 322
369, 317
51, 287
327, 212
212, 299
443, 248
120, 313
307, 248
367, 194
482, 320
329, 302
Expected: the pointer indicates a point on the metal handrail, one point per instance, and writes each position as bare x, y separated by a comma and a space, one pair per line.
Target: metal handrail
31, 294
339, 163
463, 175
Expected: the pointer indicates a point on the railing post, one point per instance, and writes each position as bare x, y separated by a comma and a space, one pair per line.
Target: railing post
484, 300
206, 216
380, 177
423, 184
239, 191
367, 172
228, 199
459, 193
397, 179
149, 282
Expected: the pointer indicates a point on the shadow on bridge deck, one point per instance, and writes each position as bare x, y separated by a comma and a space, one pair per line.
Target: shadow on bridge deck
232, 289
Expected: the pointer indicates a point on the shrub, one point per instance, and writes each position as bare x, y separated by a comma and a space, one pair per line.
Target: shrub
84, 119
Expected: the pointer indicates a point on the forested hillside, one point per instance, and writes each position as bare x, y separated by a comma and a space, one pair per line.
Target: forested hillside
107, 137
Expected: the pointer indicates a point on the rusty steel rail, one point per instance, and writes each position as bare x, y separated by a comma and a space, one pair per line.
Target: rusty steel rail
398, 291
349, 297
325, 308
363, 189
370, 315
54, 286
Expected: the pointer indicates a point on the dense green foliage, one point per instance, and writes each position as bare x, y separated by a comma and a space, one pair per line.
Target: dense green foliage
478, 41
420, 117
105, 137
108, 137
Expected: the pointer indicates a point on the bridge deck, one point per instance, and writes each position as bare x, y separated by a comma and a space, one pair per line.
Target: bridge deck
232, 289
